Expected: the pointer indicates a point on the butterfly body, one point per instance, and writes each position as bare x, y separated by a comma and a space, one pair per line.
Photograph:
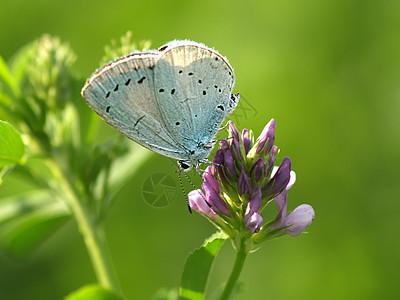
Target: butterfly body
171, 101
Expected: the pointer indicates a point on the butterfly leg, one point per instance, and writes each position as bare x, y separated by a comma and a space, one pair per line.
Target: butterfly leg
227, 123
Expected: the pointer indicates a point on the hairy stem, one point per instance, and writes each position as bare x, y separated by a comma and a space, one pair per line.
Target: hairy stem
237, 269
91, 232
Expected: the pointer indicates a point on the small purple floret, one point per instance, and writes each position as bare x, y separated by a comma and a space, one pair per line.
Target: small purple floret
214, 199
299, 219
254, 223
254, 204
272, 159
280, 180
207, 176
246, 140
244, 183
230, 163
267, 135
258, 168
235, 139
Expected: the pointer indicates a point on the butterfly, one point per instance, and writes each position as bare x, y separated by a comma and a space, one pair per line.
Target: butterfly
171, 101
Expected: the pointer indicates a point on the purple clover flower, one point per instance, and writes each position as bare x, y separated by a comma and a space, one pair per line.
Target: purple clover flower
242, 182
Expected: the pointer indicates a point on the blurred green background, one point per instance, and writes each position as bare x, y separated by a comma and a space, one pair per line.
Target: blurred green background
327, 71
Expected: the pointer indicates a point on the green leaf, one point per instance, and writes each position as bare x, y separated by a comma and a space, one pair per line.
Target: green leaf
26, 220
11, 146
167, 294
8, 91
7, 84
197, 267
126, 46
92, 292
216, 295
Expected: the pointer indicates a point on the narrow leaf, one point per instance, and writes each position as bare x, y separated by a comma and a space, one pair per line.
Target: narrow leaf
26, 220
7, 84
92, 292
11, 146
197, 267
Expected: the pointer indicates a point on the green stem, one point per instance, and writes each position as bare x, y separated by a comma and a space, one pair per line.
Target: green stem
92, 234
237, 269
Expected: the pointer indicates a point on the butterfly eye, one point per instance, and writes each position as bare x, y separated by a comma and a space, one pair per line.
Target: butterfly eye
184, 165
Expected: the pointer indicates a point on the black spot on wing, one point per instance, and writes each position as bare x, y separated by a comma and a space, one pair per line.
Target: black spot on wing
162, 48
138, 120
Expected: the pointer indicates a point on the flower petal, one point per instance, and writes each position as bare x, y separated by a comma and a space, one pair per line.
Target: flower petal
244, 183
272, 159
299, 219
259, 168
292, 180
246, 140
281, 205
224, 145
281, 179
230, 163
254, 204
234, 139
267, 135
208, 177
214, 199
197, 203
254, 223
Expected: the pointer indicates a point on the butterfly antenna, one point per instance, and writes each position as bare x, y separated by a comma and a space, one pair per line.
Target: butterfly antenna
183, 190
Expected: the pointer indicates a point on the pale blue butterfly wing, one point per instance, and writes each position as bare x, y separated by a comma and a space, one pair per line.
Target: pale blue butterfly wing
122, 93
171, 102
193, 85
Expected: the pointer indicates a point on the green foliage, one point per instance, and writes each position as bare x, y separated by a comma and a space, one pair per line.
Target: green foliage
165, 294
127, 45
197, 267
11, 145
72, 170
27, 219
92, 292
